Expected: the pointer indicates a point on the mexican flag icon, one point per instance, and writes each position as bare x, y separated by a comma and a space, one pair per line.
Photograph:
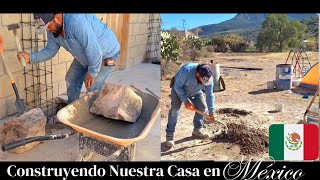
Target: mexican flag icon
293, 141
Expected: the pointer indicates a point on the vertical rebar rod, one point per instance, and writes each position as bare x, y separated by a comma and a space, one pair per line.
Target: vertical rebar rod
24, 69
33, 66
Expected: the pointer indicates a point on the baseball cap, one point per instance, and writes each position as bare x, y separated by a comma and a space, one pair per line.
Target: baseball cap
205, 71
46, 17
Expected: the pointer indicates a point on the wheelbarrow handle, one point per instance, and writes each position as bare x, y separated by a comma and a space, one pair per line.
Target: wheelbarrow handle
25, 141
134, 87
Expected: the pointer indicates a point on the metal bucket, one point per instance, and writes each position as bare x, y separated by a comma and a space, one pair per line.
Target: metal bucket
284, 76
313, 116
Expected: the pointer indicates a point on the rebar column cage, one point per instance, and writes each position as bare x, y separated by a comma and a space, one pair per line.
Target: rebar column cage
38, 77
153, 44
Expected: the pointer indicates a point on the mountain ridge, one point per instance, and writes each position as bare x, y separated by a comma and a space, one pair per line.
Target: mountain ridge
241, 23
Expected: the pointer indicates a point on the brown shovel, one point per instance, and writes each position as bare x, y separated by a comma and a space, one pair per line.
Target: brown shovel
20, 104
208, 118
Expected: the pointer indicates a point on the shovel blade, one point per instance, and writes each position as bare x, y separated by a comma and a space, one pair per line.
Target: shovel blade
21, 106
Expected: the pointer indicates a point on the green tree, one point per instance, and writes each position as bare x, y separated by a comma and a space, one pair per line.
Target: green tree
234, 42
278, 33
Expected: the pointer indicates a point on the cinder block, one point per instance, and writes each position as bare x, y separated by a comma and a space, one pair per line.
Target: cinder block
62, 87
156, 16
8, 39
50, 93
132, 41
145, 39
140, 18
19, 78
26, 17
26, 32
142, 49
55, 59
5, 86
59, 72
134, 29
140, 40
148, 17
131, 29
143, 28
64, 55
12, 62
133, 18
137, 60
11, 107
55, 89
3, 109
8, 19
133, 52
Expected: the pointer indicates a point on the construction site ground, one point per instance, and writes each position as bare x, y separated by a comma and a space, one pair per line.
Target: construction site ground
142, 76
247, 106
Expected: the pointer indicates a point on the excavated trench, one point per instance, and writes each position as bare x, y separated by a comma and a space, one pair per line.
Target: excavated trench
244, 129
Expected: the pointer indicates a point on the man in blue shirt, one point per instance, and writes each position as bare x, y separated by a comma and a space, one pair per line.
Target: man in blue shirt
93, 45
189, 82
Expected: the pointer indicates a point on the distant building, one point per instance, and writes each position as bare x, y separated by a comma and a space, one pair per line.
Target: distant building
188, 34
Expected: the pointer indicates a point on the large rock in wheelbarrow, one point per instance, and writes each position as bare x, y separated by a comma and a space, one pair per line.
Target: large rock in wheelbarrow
29, 124
117, 102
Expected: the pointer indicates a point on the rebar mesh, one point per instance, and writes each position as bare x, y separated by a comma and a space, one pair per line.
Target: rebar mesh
38, 77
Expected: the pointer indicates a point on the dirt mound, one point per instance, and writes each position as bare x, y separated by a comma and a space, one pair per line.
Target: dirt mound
245, 129
250, 140
233, 112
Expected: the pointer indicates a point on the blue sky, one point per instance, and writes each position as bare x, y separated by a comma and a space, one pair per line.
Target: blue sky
192, 20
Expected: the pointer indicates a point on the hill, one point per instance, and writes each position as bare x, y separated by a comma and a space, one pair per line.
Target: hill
248, 25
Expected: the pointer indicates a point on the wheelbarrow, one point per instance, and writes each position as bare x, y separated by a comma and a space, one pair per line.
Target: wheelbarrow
99, 134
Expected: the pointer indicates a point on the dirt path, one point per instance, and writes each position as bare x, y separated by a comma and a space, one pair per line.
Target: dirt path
246, 76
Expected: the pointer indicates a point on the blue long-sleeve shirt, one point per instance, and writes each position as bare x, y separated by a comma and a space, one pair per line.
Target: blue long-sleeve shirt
187, 86
87, 38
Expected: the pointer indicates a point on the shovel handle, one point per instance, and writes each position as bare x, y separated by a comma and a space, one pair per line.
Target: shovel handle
202, 113
19, 47
208, 117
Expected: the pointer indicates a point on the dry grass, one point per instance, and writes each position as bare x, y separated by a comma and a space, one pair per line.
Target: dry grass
313, 56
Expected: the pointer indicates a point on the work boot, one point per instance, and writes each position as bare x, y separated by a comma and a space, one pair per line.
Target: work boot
169, 141
200, 134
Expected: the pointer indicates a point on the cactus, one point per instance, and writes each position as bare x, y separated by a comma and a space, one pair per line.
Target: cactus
169, 47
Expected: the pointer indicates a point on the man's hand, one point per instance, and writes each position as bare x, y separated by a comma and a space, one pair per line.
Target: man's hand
88, 80
212, 118
190, 106
23, 56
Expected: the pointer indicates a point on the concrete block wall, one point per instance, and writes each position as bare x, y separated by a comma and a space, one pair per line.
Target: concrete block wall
138, 38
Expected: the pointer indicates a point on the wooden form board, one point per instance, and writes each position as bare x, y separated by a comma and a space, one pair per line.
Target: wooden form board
119, 23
